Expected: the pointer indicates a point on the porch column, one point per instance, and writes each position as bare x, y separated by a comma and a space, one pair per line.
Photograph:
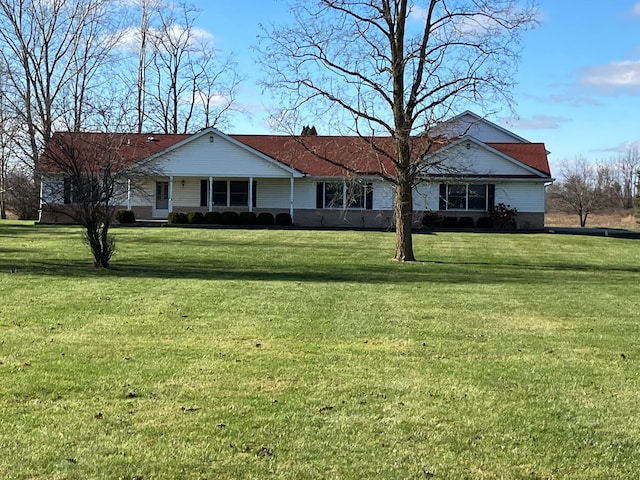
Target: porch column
128, 194
41, 200
291, 197
251, 194
210, 200
170, 193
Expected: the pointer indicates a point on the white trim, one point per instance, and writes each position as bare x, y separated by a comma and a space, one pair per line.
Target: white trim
250, 199
480, 119
210, 130
470, 139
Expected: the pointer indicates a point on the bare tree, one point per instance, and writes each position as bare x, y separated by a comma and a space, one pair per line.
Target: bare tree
51, 51
622, 171
9, 133
397, 68
581, 189
87, 177
187, 85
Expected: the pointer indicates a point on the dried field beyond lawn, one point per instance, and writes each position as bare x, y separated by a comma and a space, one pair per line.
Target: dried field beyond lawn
620, 219
228, 354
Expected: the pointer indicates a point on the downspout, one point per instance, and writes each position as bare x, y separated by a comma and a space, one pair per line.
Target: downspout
171, 194
128, 194
210, 199
291, 197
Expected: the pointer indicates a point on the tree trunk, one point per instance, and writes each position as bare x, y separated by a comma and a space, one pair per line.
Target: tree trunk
403, 205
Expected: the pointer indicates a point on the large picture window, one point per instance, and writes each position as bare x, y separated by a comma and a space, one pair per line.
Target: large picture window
344, 195
81, 190
229, 193
466, 196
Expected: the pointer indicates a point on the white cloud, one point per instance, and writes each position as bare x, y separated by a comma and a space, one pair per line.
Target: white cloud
129, 39
614, 74
636, 9
624, 147
536, 122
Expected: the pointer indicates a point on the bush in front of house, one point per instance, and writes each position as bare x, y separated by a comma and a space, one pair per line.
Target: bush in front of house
450, 222
503, 216
485, 222
230, 218
431, 219
465, 222
125, 216
248, 218
195, 217
283, 219
265, 218
177, 217
212, 218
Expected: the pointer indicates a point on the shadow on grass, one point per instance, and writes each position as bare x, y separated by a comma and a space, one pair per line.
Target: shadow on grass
428, 271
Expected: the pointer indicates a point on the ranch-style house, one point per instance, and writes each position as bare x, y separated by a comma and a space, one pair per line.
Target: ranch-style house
320, 180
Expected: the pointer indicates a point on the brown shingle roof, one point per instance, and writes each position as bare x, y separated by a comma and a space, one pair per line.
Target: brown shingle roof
89, 148
533, 155
321, 156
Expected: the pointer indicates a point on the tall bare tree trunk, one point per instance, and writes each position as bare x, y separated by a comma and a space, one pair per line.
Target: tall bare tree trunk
403, 209
142, 61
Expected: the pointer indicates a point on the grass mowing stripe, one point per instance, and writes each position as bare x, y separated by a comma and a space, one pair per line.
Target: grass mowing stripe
302, 354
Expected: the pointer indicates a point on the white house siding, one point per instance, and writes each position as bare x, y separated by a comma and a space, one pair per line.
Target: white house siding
526, 197
222, 158
187, 195
273, 193
426, 196
477, 128
383, 194
477, 160
304, 193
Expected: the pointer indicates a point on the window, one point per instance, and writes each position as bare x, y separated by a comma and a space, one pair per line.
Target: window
466, 196
344, 195
220, 192
162, 195
238, 193
228, 193
81, 190
333, 195
67, 190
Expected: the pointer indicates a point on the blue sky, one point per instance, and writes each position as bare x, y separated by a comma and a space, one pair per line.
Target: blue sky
578, 82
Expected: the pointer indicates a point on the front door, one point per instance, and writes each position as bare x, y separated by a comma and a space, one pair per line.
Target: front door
162, 200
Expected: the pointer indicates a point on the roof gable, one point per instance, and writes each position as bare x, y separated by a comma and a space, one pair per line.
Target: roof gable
166, 149
471, 124
468, 156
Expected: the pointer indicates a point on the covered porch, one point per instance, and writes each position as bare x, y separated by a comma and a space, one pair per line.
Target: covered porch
190, 193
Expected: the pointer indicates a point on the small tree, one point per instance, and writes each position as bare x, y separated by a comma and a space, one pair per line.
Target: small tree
86, 177
581, 189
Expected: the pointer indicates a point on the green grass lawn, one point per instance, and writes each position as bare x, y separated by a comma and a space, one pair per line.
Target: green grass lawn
224, 354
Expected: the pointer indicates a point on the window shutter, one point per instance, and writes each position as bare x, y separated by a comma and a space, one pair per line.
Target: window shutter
443, 197
319, 195
254, 190
67, 191
368, 197
204, 193
491, 196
